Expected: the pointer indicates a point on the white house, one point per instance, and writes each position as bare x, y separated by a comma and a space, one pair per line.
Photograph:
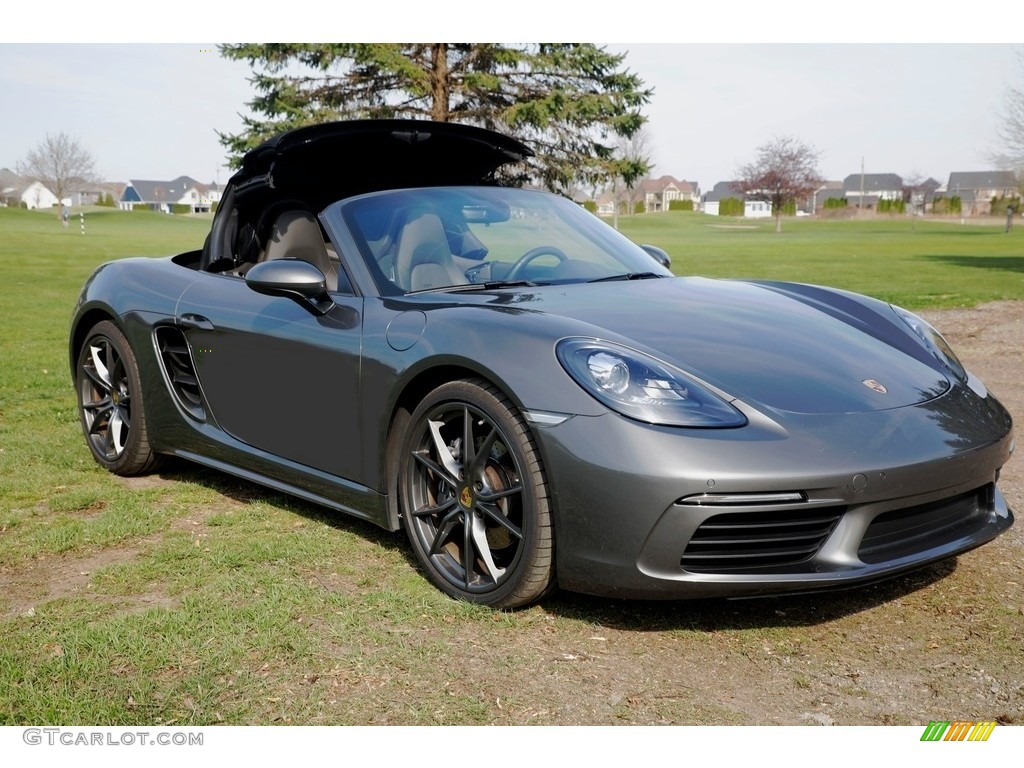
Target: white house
875, 186
162, 195
35, 195
752, 209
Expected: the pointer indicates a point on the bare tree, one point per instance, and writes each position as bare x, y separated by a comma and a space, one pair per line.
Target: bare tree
1010, 133
635, 155
60, 164
785, 171
915, 195
630, 165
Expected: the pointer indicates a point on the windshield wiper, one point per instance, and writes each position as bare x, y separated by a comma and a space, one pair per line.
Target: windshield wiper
627, 276
491, 284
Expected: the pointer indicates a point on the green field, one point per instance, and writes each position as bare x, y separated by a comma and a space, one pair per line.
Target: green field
192, 598
923, 265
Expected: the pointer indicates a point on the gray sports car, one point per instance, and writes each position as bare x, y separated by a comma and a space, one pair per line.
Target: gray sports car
377, 325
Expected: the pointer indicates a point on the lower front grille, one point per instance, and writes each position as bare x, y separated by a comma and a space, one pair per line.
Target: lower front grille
904, 532
772, 540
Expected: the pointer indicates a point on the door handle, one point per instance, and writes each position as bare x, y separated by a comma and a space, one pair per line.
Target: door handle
192, 320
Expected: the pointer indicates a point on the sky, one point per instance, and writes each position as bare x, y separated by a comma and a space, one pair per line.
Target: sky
899, 98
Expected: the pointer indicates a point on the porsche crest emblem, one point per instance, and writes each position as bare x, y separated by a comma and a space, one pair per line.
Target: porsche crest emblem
872, 384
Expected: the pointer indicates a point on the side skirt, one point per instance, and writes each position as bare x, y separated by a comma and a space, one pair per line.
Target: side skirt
372, 506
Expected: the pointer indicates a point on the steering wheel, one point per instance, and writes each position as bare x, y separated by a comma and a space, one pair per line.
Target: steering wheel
516, 273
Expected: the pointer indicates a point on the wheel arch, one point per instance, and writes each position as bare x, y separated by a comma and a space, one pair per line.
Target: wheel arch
84, 323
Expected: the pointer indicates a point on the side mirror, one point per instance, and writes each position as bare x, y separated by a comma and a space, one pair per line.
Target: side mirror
294, 279
658, 255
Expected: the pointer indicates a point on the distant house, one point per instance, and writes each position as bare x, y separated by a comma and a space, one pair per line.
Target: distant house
658, 194
17, 190
754, 209
94, 193
977, 188
162, 195
830, 190
605, 204
922, 195
10, 187
873, 187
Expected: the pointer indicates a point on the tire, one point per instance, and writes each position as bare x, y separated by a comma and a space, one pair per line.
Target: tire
110, 402
504, 557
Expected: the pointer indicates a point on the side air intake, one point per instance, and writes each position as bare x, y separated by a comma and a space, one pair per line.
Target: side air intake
179, 372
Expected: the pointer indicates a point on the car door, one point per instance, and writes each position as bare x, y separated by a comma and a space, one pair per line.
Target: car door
275, 376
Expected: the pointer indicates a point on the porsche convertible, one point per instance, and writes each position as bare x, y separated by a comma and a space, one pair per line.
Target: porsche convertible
376, 323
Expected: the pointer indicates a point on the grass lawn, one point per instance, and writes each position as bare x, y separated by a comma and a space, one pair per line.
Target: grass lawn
927, 264
193, 598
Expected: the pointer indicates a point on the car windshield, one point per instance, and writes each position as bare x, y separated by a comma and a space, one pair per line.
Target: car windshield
464, 238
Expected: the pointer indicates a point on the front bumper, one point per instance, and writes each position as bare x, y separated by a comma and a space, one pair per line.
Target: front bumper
822, 502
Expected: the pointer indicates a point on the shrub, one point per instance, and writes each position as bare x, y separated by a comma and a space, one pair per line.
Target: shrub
590, 205
730, 206
1000, 204
946, 205
680, 205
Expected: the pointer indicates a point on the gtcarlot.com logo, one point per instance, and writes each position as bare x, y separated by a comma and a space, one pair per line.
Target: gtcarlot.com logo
67, 737
958, 730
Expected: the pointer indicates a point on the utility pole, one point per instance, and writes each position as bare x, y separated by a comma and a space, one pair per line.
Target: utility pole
861, 206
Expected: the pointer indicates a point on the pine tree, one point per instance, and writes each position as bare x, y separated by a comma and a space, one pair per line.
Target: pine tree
570, 103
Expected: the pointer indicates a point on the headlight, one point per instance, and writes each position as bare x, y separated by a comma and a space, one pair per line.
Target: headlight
638, 386
932, 341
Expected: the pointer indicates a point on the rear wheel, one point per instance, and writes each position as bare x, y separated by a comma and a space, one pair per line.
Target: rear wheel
110, 402
474, 497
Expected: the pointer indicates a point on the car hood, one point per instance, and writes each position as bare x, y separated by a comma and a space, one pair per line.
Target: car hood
758, 343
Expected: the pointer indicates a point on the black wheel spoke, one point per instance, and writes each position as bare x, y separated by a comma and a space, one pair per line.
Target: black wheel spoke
99, 407
442, 507
444, 530
438, 470
504, 493
493, 513
483, 452
101, 420
96, 378
468, 444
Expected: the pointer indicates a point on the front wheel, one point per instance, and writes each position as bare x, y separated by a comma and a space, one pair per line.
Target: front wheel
475, 499
110, 402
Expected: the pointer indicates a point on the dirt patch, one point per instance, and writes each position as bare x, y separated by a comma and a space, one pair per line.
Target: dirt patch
54, 577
